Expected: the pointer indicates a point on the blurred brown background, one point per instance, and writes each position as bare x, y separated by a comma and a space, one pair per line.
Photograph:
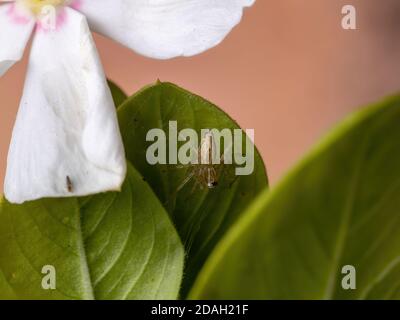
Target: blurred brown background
289, 71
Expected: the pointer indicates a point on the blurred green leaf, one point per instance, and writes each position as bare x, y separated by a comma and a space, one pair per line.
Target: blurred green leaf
118, 94
110, 246
338, 207
201, 216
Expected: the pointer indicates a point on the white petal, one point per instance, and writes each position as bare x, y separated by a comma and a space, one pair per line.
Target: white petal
14, 35
165, 28
66, 141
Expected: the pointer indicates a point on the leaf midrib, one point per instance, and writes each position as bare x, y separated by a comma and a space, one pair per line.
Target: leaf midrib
344, 226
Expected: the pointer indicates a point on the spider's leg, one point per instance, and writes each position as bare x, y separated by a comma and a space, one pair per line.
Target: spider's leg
233, 181
220, 169
195, 184
227, 170
199, 178
172, 199
182, 166
185, 181
216, 174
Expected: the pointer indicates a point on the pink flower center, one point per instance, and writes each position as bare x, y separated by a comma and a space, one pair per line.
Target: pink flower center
41, 7
49, 14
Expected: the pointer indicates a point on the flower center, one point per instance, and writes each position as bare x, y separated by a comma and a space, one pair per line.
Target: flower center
40, 7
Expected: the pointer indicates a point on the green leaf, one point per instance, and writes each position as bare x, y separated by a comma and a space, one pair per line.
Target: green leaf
340, 206
118, 94
110, 246
201, 216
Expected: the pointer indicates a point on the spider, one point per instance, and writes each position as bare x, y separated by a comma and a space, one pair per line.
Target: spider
206, 172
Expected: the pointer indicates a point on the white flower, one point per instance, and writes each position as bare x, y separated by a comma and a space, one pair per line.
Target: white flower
66, 140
